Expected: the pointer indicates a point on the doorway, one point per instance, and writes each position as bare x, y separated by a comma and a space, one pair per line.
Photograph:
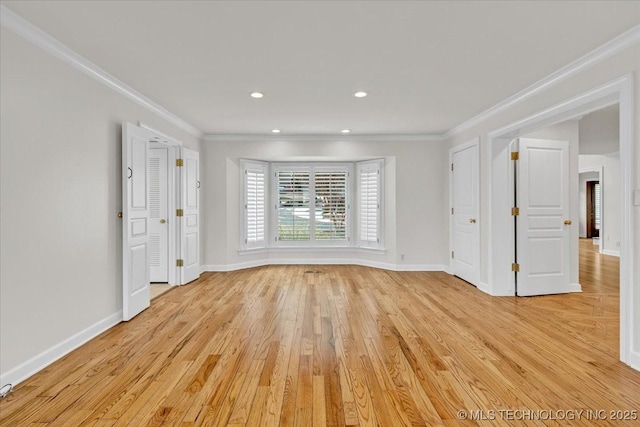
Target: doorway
592, 209
160, 215
501, 253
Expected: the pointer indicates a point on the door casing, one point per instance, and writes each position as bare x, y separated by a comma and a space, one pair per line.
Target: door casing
500, 253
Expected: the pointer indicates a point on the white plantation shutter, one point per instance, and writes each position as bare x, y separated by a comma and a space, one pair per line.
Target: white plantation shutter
255, 175
294, 204
331, 205
369, 203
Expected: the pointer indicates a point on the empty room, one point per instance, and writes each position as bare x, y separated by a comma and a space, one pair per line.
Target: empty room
319, 213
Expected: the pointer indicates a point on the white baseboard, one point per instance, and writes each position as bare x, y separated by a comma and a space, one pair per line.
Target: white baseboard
324, 261
610, 252
634, 360
47, 357
484, 287
575, 287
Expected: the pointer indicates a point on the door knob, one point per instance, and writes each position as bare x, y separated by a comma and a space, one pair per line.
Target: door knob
472, 220
162, 220
567, 222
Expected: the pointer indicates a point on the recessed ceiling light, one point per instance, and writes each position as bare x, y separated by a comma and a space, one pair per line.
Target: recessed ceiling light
360, 94
346, 131
275, 130
256, 95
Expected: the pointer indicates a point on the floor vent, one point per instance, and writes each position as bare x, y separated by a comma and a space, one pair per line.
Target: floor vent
313, 271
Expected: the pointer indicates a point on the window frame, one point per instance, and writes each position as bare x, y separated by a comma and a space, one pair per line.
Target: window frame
352, 239
311, 168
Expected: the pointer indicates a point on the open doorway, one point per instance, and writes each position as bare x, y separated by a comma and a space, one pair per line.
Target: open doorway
160, 228
161, 156
501, 251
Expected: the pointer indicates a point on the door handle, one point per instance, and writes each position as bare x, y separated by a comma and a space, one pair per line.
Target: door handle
162, 220
567, 222
472, 220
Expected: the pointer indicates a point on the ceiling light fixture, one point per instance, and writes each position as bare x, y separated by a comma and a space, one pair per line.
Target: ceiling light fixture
360, 94
346, 131
275, 131
256, 95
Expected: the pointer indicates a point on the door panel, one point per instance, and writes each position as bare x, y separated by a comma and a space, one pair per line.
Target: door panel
464, 197
135, 215
158, 214
543, 237
190, 220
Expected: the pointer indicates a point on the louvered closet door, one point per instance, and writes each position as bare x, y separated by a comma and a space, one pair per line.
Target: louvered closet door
158, 215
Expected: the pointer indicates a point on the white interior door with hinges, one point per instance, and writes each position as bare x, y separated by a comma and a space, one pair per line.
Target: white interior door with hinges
465, 233
158, 214
135, 225
190, 235
543, 227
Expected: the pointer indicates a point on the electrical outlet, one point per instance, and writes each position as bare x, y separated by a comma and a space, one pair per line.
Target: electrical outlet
402, 257
617, 244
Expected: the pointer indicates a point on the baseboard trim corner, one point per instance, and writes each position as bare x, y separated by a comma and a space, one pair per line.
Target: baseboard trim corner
35, 364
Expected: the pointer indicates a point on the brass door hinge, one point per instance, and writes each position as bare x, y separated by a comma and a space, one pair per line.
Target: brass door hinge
179, 212
515, 211
179, 263
515, 267
515, 155
179, 162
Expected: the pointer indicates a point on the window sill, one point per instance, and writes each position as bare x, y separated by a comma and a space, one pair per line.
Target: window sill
307, 249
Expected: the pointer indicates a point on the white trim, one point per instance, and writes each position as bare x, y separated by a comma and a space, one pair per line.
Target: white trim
617, 44
574, 287
47, 357
322, 261
600, 170
619, 91
634, 360
46, 42
322, 138
610, 252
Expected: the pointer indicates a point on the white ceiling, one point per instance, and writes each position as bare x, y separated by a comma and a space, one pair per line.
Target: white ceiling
428, 66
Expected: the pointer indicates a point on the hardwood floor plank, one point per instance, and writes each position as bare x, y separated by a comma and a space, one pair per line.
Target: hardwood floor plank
342, 345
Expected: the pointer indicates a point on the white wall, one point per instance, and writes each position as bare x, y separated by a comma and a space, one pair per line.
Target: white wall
415, 201
600, 131
60, 270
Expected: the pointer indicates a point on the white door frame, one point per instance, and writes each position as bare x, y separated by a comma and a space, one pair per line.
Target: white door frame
500, 280
173, 200
471, 143
599, 170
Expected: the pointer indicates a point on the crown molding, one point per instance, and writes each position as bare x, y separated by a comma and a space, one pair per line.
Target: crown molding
46, 42
322, 138
610, 48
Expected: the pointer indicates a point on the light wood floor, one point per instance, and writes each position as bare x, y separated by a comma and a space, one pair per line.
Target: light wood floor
342, 345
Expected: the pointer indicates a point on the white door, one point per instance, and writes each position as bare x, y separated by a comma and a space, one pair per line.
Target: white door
135, 215
158, 215
190, 247
543, 226
465, 238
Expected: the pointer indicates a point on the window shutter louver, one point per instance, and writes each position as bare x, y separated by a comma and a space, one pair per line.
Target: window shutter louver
255, 205
331, 205
369, 215
293, 205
